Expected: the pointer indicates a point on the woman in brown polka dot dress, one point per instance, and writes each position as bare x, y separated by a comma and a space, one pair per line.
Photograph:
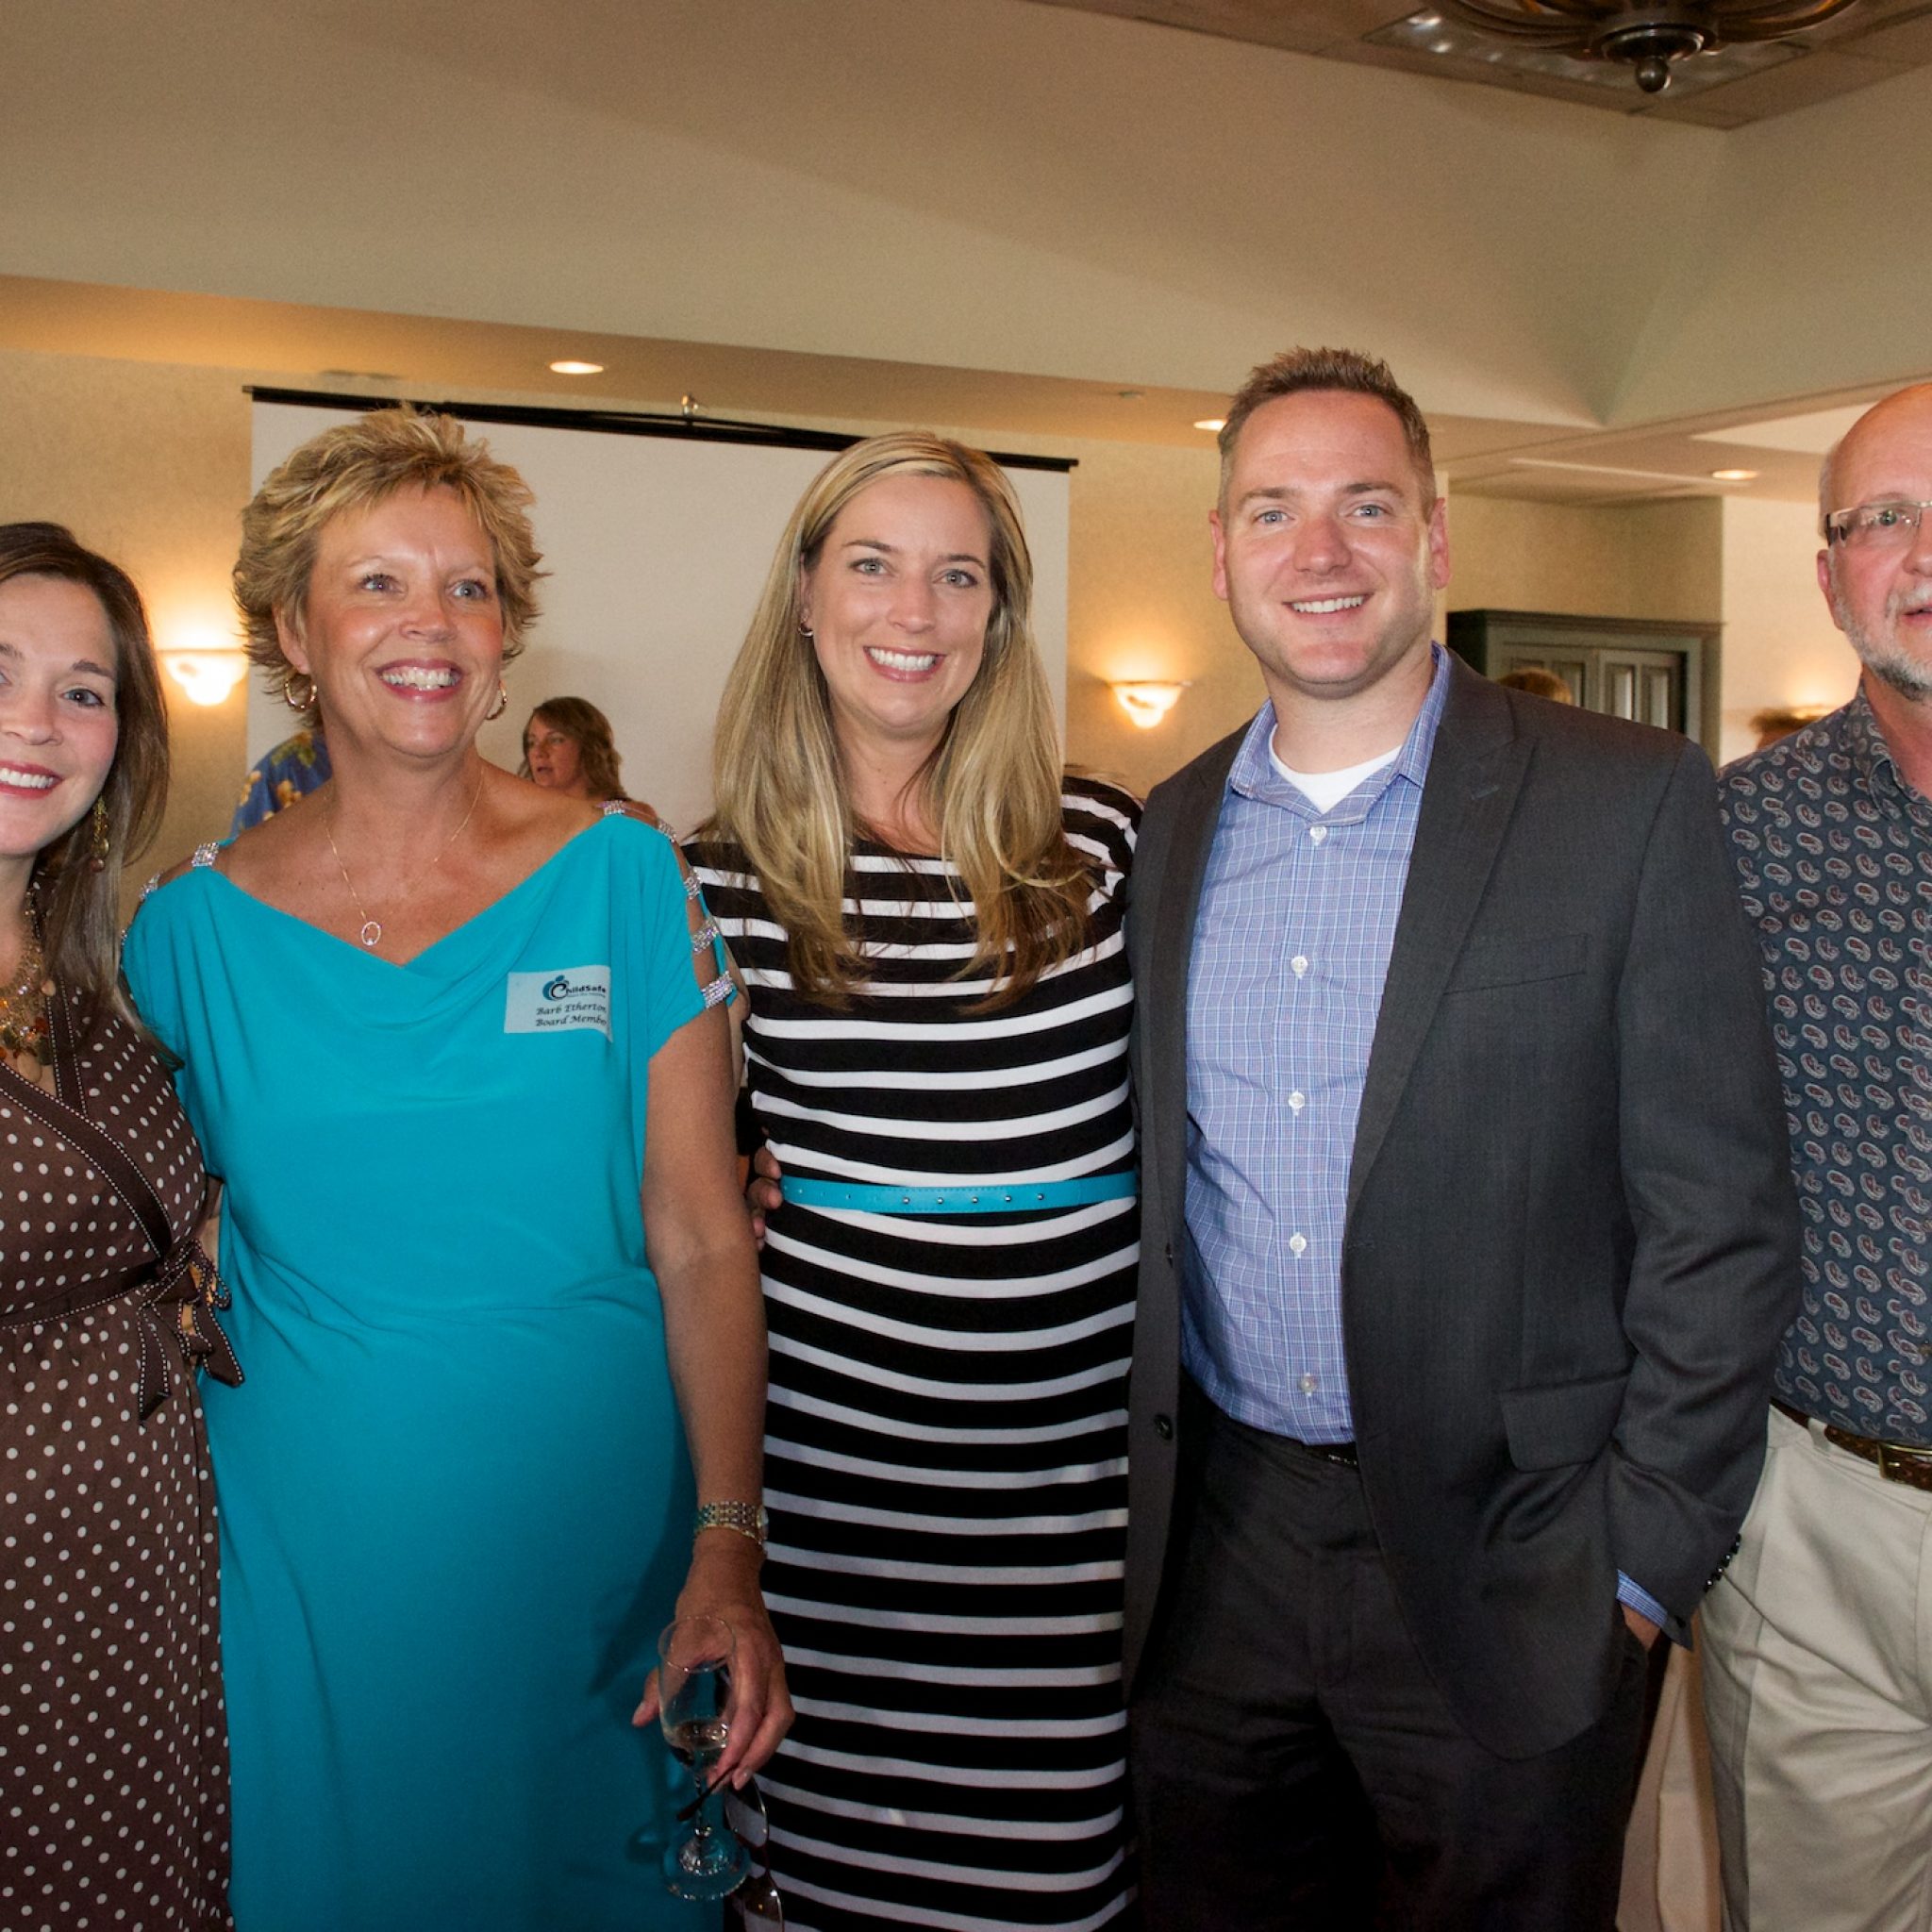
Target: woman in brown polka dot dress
113, 1750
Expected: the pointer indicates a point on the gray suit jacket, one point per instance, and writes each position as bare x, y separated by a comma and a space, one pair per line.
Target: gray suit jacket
1572, 1237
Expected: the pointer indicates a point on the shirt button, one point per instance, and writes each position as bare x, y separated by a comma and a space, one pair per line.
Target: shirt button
1296, 1101
1317, 833
1299, 964
1297, 1244
1308, 1385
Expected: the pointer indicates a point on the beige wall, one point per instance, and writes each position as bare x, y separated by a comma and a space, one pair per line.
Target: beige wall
1141, 607
1654, 560
148, 464
1780, 644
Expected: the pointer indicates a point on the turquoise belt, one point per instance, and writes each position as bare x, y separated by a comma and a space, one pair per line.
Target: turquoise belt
965, 1199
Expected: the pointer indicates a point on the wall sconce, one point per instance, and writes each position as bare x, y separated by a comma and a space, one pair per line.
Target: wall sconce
1148, 704
206, 676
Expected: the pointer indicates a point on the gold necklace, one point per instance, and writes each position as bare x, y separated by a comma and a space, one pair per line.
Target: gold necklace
24, 1005
371, 933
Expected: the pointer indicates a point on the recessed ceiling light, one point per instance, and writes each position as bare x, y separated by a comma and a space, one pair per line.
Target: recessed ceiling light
1733, 475
577, 368
1213, 425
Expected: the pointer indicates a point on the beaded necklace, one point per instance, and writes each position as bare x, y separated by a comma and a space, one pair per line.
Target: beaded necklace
24, 1008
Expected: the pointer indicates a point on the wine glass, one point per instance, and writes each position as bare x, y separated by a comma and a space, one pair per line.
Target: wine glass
694, 1658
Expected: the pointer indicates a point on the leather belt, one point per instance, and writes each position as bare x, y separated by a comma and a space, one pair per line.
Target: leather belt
1342, 1452
1898, 1462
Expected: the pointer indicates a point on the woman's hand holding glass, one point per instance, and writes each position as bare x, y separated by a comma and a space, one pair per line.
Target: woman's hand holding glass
723, 1584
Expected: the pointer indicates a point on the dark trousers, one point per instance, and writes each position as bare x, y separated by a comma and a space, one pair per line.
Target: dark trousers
1295, 1768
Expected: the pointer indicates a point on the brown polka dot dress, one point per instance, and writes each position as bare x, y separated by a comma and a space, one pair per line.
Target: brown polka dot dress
113, 1745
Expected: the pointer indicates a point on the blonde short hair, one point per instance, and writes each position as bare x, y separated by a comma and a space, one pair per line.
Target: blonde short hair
349, 467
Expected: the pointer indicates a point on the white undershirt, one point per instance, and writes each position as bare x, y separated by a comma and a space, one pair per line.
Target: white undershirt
1326, 790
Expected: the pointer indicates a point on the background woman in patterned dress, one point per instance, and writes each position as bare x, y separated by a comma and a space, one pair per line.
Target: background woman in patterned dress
113, 1751
927, 924
569, 747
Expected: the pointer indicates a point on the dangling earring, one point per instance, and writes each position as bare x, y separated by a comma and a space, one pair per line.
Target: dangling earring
98, 845
289, 680
502, 704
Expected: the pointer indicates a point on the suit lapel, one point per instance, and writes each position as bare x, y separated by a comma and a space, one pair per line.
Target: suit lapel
1161, 999
1476, 771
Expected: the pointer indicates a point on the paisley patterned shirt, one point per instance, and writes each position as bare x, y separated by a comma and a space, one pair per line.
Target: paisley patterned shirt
1834, 857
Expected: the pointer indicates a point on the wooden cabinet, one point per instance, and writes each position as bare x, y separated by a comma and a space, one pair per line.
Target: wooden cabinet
1655, 674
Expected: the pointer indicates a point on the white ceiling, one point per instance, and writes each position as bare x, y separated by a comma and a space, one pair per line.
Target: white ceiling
1007, 214
1809, 434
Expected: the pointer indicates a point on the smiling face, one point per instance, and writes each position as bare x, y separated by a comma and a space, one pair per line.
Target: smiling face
1326, 547
898, 603
401, 627
555, 758
58, 726
1879, 585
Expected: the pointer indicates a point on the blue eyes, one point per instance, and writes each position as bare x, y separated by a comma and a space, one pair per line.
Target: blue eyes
957, 579
471, 590
1274, 517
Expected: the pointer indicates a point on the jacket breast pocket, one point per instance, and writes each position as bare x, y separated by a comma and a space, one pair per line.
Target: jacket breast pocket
1559, 1423
1519, 962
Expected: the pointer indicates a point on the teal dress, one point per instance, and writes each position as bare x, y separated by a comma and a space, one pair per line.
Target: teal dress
455, 1498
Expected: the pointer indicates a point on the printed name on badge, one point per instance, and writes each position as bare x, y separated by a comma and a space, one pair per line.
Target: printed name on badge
573, 997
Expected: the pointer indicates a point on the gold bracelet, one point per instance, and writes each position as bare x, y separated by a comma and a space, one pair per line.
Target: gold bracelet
747, 1519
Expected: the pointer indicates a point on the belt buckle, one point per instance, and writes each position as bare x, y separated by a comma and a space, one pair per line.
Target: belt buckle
1899, 1464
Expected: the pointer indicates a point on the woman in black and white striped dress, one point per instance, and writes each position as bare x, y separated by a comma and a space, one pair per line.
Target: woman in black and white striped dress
928, 927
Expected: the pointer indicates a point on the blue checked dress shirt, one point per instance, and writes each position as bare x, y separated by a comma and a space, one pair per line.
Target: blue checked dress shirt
1292, 944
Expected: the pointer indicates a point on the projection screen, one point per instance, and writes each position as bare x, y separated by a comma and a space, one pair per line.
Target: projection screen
656, 548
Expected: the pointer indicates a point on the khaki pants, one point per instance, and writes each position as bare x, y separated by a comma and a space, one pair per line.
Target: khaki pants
1818, 1690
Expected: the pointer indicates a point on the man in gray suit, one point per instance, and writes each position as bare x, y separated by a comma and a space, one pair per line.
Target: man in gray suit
1468, 1233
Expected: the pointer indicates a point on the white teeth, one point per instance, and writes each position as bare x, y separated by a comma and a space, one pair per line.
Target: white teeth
32, 781
1322, 606
410, 678
903, 661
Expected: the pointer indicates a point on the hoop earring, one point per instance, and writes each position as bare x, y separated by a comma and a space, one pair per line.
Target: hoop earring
289, 680
806, 631
99, 843
502, 704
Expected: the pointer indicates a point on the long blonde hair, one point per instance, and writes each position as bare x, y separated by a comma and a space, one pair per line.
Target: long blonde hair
992, 785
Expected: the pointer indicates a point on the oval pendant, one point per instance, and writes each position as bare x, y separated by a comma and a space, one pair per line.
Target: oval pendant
371, 934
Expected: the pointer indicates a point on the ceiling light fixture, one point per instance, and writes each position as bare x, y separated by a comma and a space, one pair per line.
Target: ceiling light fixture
1733, 475
1646, 36
568, 368
1213, 425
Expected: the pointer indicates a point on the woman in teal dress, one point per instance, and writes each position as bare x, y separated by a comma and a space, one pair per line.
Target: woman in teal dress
434, 1030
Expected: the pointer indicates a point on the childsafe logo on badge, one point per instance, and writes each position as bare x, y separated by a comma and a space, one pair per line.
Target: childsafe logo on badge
572, 996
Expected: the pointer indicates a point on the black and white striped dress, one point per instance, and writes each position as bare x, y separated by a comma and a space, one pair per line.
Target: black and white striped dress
946, 1448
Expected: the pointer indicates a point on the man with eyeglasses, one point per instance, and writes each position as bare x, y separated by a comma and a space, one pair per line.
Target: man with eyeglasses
1818, 1672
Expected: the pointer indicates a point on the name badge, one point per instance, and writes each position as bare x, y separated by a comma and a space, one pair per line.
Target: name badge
572, 997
